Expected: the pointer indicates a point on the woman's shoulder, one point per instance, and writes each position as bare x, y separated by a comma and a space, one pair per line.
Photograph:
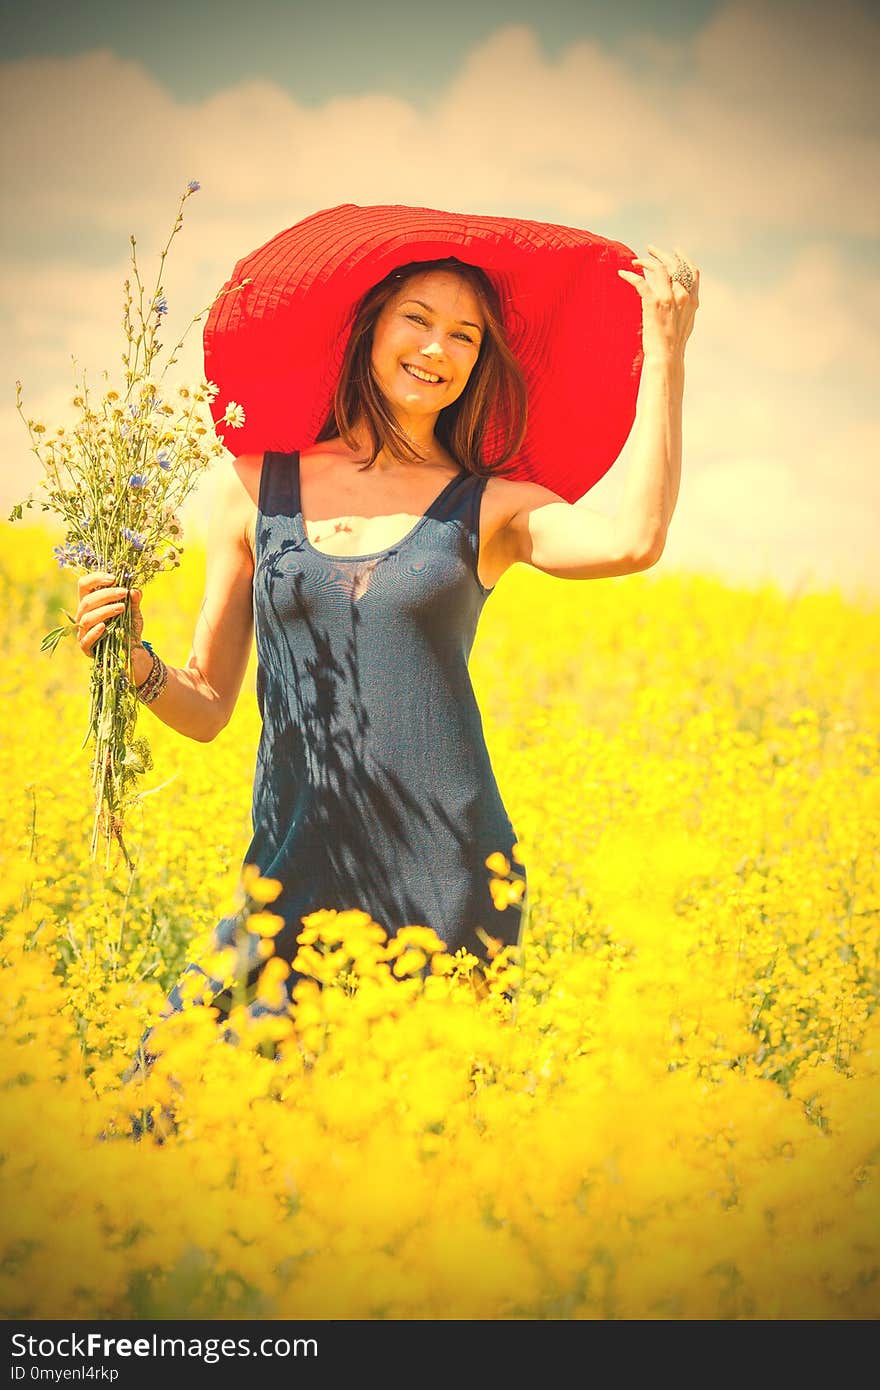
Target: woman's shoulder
243, 465
239, 480
238, 493
504, 497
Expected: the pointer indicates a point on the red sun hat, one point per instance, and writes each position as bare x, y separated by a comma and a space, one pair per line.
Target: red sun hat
276, 346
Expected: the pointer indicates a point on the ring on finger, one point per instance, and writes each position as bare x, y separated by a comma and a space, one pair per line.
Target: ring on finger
683, 273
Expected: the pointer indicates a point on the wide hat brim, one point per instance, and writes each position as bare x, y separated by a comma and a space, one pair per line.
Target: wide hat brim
276, 346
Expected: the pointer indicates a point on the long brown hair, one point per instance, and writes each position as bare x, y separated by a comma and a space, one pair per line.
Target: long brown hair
496, 381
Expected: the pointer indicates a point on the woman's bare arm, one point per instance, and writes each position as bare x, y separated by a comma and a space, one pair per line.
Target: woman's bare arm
199, 698
572, 541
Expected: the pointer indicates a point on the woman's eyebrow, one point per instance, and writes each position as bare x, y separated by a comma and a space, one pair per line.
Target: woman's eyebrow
430, 311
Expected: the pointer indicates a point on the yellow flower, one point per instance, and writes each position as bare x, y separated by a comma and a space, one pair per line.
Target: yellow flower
265, 923
270, 985
195, 989
498, 863
504, 893
261, 890
422, 938
219, 964
409, 962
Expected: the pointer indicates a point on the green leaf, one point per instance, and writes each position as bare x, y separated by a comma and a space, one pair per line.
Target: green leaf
51, 640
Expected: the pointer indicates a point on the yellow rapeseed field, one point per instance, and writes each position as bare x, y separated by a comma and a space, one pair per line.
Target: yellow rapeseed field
667, 1109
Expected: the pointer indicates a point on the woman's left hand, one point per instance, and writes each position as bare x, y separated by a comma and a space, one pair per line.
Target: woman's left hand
668, 309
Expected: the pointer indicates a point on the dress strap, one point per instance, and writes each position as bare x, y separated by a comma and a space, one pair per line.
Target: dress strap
276, 493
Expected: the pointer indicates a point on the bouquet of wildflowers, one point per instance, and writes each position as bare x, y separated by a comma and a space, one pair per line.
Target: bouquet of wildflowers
117, 479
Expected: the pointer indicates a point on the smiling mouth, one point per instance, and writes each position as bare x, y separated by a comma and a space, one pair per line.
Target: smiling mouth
429, 379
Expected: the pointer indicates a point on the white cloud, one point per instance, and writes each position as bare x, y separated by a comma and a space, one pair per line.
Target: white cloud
819, 312
766, 118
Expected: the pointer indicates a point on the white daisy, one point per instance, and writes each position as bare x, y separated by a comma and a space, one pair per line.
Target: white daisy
234, 415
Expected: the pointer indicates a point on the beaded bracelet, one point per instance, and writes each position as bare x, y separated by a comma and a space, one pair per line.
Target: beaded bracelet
152, 671
155, 683
150, 689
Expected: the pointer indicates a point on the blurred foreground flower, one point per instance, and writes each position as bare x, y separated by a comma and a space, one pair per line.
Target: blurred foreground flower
117, 479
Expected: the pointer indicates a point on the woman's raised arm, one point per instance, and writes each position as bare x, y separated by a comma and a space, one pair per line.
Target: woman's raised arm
571, 540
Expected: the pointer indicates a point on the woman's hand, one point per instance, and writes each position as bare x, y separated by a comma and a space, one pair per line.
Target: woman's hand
100, 601
668, 309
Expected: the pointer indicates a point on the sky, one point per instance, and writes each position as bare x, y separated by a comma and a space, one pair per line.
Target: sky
746, 132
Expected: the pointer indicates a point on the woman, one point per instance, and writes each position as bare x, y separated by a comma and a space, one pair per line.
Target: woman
362, 563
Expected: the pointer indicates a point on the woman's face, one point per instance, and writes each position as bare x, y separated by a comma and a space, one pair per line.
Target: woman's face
434, 323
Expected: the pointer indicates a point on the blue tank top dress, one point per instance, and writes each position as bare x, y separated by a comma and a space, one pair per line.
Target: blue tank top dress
373, 786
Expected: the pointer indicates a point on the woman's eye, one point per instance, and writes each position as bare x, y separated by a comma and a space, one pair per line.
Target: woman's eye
417, 318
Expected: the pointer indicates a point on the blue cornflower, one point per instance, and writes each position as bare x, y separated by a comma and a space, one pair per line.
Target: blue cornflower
133, 538
76, 553
163, 458
133, 410
137, 480
161, 305
193, 185
65, 555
